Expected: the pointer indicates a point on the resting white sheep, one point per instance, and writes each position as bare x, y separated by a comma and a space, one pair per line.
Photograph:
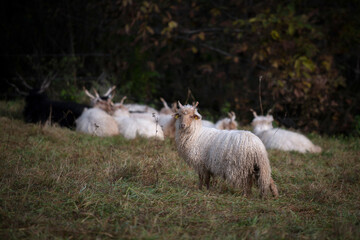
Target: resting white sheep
140, 108
167, 124
97, 97
237, 156
166, 109
207, 123
277, 138
96, 121
166, 119
131, 127
227, 123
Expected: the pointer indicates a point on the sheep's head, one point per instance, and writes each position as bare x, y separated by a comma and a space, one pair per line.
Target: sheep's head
186, 116
262, 123
232, 123
97, 98
166, 109
106, 105
119, 109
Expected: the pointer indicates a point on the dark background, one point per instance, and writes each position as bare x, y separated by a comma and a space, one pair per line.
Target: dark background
307, 53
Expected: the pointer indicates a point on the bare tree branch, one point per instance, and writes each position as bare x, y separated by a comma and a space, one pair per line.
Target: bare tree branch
209, 30
206, 46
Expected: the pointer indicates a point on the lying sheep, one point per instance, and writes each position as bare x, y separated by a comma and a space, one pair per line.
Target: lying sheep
167, 124
140, 108
40, 108
96, 121
237, 156
166, 119
166, 109
131, 127
227, 123
207, 123
276, 138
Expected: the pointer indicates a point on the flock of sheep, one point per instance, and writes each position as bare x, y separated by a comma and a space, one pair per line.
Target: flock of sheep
212, 149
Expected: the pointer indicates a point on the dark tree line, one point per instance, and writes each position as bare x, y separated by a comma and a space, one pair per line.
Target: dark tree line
307, 53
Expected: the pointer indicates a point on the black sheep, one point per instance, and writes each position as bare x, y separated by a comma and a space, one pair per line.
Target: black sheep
39, 108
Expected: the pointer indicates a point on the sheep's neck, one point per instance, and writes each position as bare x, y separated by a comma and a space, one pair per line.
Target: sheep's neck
187, 144
260, 128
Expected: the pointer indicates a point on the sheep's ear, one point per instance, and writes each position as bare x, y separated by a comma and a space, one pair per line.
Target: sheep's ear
176, 115
197, 117
254, 113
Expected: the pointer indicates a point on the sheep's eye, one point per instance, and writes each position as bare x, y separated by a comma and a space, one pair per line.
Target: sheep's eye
177, 116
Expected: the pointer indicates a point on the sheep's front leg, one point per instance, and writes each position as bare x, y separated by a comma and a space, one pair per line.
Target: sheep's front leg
207, 179
249, 184
201, 179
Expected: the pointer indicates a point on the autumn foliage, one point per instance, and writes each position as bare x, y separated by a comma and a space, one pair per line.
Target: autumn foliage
307, 53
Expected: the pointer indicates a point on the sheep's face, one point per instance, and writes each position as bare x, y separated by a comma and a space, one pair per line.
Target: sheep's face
120, 110
107, 105
262, 123
186, 117
232, 125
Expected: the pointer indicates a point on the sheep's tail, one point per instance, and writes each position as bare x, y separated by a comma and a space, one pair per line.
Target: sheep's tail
273, 188
265, 181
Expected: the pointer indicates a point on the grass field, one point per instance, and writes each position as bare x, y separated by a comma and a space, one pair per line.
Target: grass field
59, 184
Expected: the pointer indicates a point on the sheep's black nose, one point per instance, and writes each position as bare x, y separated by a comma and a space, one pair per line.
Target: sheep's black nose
182, 125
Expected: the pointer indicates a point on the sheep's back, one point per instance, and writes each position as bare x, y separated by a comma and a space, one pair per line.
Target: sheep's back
96, 121
147, 128
277, 138
232, 152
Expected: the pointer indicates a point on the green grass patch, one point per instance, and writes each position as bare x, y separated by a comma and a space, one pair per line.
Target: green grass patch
57, 183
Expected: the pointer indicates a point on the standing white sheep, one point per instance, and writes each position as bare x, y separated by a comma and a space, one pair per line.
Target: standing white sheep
277, 138
227, 123
237, 156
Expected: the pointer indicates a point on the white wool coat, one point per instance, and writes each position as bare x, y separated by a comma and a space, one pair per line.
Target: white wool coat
277, 138
97, 122
232, 155
131, 127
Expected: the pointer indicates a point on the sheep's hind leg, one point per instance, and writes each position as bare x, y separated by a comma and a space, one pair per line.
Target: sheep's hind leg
249, 183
